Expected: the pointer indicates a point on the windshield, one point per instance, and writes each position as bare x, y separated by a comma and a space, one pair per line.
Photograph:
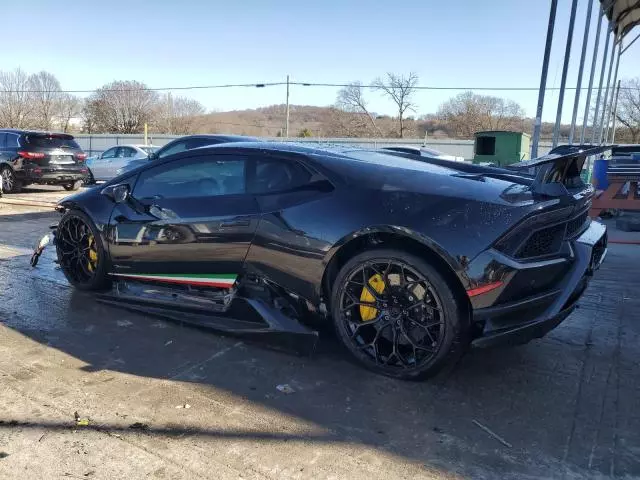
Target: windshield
50, 141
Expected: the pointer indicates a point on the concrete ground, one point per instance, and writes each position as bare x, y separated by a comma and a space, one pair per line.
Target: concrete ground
90, 391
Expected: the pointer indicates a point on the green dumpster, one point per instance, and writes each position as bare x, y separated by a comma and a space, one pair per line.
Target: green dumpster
500, 148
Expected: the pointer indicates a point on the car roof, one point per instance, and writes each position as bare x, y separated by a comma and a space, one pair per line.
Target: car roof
34, 132
220, 136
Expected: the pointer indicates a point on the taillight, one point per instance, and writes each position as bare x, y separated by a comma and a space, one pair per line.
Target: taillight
31, 155
81, 156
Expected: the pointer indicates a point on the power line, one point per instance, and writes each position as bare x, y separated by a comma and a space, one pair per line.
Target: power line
303, 84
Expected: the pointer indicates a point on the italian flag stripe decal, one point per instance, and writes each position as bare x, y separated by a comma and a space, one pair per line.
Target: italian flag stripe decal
206, 280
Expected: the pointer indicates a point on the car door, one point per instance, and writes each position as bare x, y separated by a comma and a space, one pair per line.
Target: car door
100, 165
187, 221
123, 156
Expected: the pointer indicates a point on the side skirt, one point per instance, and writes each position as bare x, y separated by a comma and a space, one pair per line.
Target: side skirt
253, 310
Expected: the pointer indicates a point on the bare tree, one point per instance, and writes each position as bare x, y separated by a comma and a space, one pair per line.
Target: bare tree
16, 106
468, 113
69, 107
46, 96
351, 99
400, 89
628, 107
177, 114
121, 107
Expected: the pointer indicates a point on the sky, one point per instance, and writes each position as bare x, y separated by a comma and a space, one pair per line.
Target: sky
168, 43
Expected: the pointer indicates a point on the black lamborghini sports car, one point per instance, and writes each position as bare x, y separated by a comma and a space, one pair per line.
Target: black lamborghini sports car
411, 261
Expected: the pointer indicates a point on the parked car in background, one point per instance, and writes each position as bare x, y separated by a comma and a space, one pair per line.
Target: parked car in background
42, 158
424, 152
188, 142
105, 166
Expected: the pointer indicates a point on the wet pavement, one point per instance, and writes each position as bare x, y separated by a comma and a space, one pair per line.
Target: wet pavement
168, 401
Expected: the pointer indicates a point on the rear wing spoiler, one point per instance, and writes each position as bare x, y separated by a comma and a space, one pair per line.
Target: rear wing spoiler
559, 168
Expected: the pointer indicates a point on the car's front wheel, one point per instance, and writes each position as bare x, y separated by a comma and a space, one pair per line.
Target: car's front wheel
397, 314
80, 251
10, 184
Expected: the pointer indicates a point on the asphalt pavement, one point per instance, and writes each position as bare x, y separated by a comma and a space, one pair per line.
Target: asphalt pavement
91, 391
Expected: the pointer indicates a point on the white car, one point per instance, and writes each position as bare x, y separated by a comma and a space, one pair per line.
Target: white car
105, 166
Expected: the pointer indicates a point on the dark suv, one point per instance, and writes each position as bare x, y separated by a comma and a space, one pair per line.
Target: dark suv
44, 158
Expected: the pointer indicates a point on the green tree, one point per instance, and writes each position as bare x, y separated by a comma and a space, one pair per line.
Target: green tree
305, 132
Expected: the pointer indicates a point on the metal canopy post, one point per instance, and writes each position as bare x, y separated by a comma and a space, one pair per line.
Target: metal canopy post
606, 93
543, 79
594, 124
594, 61
613, 93
615, 110
576, 101
565, 68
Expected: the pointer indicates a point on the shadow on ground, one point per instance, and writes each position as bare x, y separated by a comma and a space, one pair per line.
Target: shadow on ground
567, 404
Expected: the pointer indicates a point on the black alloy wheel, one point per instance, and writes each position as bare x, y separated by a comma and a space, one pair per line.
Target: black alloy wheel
80, 252
396, 314
10, 183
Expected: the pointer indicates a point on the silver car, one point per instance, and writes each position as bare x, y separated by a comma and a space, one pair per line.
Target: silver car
104, 167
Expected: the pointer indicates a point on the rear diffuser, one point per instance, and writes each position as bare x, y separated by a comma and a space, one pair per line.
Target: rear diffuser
253, 319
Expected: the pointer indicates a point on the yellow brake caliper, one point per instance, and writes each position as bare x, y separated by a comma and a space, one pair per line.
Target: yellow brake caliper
377, 284
93, 254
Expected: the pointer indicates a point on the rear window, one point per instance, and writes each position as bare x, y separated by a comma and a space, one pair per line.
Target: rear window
50, 141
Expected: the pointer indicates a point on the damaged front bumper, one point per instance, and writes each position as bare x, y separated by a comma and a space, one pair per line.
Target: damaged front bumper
523, 319
43, 242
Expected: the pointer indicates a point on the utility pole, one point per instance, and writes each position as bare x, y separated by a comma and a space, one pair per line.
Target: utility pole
286, 126
169, 113
565, 68
543, 79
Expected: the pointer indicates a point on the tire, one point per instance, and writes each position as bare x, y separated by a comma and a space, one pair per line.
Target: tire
428, 315
72, 187
89, 180
82, 276
10, 184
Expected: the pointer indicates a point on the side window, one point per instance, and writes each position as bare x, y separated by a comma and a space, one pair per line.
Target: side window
12, 140
126, 152
3, 140
203, 176
111, 153
175, 148
275, 175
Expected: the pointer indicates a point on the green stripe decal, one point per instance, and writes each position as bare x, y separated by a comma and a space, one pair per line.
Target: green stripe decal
216, 280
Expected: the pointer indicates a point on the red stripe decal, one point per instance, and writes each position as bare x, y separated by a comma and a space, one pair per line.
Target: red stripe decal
484, 289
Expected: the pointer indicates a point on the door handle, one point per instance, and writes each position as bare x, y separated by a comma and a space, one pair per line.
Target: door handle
235, 223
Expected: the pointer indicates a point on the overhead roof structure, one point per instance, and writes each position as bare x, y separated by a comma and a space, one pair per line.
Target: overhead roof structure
623, 15
620, 18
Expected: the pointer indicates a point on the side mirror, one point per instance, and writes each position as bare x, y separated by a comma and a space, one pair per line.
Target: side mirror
117, 193
152, 156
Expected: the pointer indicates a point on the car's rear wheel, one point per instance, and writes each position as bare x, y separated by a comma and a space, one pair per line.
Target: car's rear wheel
72, 187
10, 184
81, 254
397, 315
